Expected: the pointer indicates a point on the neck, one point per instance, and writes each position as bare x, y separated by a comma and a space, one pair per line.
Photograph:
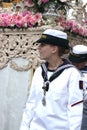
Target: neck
53, 65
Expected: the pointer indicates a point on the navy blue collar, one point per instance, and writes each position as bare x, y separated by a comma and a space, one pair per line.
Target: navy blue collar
84, 70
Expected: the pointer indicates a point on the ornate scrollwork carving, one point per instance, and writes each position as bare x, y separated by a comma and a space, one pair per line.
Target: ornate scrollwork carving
19, 44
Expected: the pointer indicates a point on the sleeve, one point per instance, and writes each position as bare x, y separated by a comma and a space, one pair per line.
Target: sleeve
29, 108
85, 86
84, 119
75, 102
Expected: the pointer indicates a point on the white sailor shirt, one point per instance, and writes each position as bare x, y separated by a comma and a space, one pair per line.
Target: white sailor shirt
63, 110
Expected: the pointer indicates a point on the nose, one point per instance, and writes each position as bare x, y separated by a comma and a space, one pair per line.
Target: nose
39, 46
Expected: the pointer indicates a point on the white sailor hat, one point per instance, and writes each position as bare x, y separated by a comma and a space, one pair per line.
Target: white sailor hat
54, 37
78, 54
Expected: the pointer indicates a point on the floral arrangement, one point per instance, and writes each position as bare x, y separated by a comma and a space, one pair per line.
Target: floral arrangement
43, 5
29, 19
74, 26
19, 20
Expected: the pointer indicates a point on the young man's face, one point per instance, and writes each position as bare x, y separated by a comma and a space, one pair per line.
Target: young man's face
80, 65
46, 51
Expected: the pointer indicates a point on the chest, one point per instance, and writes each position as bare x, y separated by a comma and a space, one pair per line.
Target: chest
58, 86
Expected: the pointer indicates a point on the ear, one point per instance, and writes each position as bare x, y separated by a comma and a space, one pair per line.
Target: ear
54, 49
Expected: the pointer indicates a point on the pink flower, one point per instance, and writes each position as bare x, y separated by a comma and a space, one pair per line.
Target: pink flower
73, 26
24, 19
45, 1
85, 32
86, 21
27, 18
19, 21
59, 20
32, 21
30, 3
81, 30
38, 17
26, 13
75, 30
5, 20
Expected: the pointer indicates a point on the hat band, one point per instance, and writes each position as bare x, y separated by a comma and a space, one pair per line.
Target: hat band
77, 58
79, 55
45, 38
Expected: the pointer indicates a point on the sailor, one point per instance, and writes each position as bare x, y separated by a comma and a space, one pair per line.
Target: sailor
78, 57
56, 100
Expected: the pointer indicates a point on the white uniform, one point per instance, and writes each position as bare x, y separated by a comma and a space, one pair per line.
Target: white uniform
84, 120
78, 56
63, 110
84, 72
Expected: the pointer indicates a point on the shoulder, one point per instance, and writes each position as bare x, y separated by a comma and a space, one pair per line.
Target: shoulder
38, 70
73, 71
70, 69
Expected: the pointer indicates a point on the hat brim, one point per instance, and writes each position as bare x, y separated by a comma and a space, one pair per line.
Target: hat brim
77, 58
54, 41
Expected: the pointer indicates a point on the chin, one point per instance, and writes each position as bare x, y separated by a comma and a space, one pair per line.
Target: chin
42, 58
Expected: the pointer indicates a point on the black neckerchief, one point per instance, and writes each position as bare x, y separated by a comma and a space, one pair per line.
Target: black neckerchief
56, 73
